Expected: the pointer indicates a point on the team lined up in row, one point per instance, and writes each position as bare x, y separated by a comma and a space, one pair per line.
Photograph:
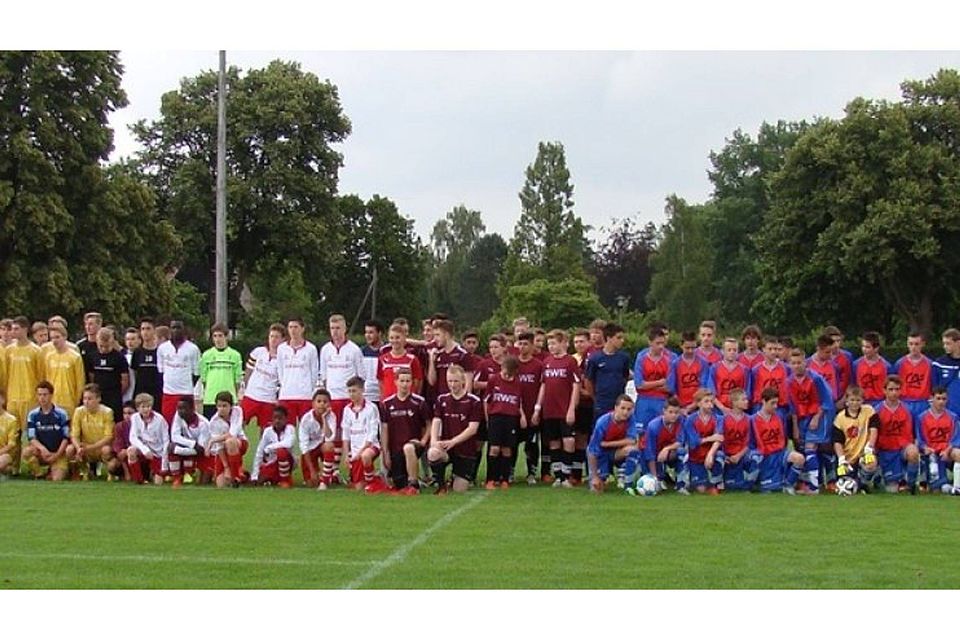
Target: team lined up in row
417, 397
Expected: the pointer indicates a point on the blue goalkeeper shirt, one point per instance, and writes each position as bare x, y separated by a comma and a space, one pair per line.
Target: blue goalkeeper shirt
946, 373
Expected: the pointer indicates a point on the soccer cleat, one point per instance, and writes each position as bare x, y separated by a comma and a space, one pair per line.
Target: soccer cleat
441, 490
322, 486
504, 485
188, 478
410, 490
556, 483
790, 491
531, 479
683, 491
713, 491
566, 484
546, 478
177, 482
286, 483
831, 487
491, 485
807, 491
630, 491
924, 488
913, 489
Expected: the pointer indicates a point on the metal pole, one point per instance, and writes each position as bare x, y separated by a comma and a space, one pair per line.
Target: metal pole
373, 299
221, 269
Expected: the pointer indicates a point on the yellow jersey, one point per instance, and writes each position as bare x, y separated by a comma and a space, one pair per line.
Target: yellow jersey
854, 432
89, 427
3, 369
9, 429
24, 371
47, 347
65, 372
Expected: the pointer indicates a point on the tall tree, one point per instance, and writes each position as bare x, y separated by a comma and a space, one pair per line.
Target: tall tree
282, 170
682, 266
478, 280
622, 263
866, 210
73, 236
550, 239
451, 240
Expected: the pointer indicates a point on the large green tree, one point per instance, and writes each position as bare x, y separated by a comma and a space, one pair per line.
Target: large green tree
282, 125
622, 264
73, 235
549, 240
866, 212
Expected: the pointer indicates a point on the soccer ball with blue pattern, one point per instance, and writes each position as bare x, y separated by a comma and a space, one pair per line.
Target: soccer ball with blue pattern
646, 485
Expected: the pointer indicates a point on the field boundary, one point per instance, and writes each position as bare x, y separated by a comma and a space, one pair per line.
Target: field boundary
162, 558
400, 553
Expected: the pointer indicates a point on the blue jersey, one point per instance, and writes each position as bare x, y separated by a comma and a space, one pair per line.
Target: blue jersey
608, 430
659, 436
946, 373
50, 429
609, 374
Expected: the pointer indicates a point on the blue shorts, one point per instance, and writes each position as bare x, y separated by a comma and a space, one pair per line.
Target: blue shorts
771, 471
916, 408
604, 463
646, 409
891, 465
742, 475
823, 432
941, 478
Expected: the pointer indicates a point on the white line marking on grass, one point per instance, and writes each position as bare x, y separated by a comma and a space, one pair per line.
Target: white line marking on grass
184, 559
400, 553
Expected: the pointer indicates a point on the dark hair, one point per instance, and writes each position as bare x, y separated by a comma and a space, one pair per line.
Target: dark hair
355, 381
688, 336
525, 335
769, 394
147, 320
224, 396
622, 397
93, 388
611, 329
129, 404
751, 331
280, 409
376, 324
44, 384
444, 325
320, 392
824, 341
938, 390
673, 401
470, 333
872, 337
510, 364
219, 327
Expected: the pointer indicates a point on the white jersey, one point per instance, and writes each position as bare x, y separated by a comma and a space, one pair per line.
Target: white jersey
312, 434
150, 437
178, 366
264, 381
297, 371
233, 427
371, 385
267, 449
184, 437
360, 426
337, 365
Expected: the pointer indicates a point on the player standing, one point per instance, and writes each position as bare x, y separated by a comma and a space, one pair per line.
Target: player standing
144, 363
650, 370
340, 360
946, 369
842, 357
559, 397
405, 432
751, 355
397, 356
728, 374
772, 374
813, 410
916, 371
608, 370
871, 370
938, 438
107, 368
261, 380
221, 369
453, 433
48, 436
894, 440
298, 366
178, 362
361, 427
707, 351
505, 418
688, 373
372, 335
823, 364
530, 375
63, 368
446, 354
92, 323
24, 372
584, 415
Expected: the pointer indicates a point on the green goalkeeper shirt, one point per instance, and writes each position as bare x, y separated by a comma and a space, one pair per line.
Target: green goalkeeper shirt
220, 370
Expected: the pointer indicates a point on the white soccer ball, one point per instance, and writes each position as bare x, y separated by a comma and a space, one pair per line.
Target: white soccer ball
847, 486
647, 485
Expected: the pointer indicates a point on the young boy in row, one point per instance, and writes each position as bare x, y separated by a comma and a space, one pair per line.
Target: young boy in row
842, 358
361, 430
149, 441
273, 461
688, 373
751, 355
938, 438
946, 369
189, 438
559, 397
662, 444
583, 426
650, 371
228, 442
118, 467
728, 374
740, 463
916, 371
853, 428
614, 440
707, 351
505, 418
772, 373
456, 418
261, 379
91, 434
48, 436
779, 468
812, 409
871, 370
530, 375
894, 441
702, 437
405, 432
315, 433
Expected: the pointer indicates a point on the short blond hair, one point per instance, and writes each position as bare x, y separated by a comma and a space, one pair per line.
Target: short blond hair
142, 399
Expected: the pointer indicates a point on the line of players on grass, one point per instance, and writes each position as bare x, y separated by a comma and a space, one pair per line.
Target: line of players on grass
433, 402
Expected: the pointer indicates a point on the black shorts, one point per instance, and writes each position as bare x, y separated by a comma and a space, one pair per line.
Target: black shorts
398, 466
482, 431
557, 429
464, 467
584, 422
502, 431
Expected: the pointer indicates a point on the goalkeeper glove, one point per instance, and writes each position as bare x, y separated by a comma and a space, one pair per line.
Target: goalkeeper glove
842, 467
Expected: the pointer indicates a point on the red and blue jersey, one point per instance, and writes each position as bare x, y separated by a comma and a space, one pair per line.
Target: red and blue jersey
829, 371
916, 376
609, 430
686, 376
723, 379
870, 377
736, 433
808, 395
896, 427
696, 427
750, 361
844, 360
660, 435
938, 431
775, 377
646, 368
712, 357
767, 434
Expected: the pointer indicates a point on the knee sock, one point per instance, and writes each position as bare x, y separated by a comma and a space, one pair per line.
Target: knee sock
811, 469
136, 472
328, 467
556, 463
532, 451
579, 458
235, 461
548, 458
793, 473
439, 472
913, 468
493, 467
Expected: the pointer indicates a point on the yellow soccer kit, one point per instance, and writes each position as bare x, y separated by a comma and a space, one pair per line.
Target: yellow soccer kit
855, 432
10, 434
88, 427
65, 372
24, 371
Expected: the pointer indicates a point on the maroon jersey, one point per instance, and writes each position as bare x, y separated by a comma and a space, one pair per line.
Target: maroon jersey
530, 374
896, 427
585, 400
405, 419
455, 416
457, 355
485, 370
503, 396
559, 376
736, 433
121, 436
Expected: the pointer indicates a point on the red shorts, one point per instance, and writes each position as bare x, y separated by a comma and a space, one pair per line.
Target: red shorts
295, 409
262, 411
315, 456
218, 462
337, 406
356, 467
154, 466
168, 406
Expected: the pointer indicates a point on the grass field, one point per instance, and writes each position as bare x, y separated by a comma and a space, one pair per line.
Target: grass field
99, 535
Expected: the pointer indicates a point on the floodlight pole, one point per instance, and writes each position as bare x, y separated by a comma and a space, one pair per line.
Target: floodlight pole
221, 244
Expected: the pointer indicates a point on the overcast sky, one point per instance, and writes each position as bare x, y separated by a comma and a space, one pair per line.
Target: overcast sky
432, 130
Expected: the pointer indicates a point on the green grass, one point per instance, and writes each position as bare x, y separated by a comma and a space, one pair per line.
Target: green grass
99, 535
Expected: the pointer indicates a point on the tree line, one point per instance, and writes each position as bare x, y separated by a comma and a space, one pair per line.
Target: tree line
852, 221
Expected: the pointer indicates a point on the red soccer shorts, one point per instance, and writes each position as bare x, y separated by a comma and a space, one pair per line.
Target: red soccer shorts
314, 455
262, 411
295, 410
218, 463
356, 467
168, 406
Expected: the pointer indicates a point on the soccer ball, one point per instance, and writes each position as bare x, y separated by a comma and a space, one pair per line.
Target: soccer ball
647, 485
847, 486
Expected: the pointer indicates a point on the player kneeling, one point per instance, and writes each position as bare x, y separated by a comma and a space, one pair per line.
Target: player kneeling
405, 430
779, 468
453, 434
702, 436
189, 436
48, 432
853, 429
361, 425
118, 468
9, 439
740, 462
662, 446
894, 440
315, 432
149, 437
614, 440
91, 434
273, 462
939, 440
228, 442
